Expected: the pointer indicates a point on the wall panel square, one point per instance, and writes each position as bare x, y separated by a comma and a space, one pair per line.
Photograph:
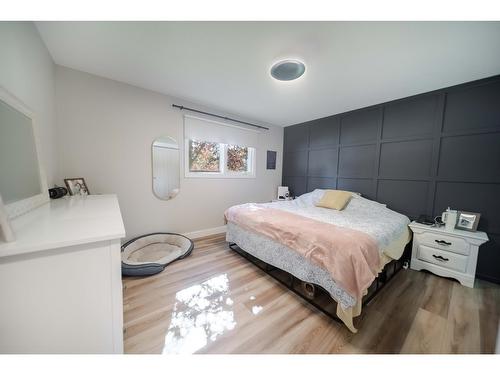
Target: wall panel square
324, 132
295, 163
357, 161
323, 163
363, 186
471, 157
474, 107
296, 137
406, 197
411, 117
360, 126
406, 159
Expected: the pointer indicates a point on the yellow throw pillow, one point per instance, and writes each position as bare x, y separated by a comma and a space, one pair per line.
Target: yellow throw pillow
335, 199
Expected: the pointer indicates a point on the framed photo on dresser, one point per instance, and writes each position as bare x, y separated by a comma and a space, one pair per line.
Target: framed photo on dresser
76, 186
467, 220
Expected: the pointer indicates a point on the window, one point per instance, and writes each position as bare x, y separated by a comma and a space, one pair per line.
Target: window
218, 150
210, 159
204, 156
237, 158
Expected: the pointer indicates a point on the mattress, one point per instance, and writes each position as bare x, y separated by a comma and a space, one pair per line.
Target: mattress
387, 227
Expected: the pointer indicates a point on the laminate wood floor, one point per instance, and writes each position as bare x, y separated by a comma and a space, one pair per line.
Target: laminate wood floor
215, 301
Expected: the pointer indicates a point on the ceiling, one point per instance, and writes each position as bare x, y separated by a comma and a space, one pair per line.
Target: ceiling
226, 65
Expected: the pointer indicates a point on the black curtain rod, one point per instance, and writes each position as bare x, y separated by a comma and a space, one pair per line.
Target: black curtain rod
222, 117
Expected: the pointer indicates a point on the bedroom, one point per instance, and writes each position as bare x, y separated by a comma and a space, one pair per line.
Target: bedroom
260, 187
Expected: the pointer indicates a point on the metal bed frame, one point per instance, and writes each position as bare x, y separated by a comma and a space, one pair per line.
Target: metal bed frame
315, 294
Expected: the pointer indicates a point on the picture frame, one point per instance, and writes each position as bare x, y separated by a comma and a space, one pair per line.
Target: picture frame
76, 186
467, 221
271, 160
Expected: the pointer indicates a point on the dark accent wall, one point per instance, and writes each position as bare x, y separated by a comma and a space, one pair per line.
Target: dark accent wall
418, 155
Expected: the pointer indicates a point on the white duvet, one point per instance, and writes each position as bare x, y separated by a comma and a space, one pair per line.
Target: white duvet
362, 214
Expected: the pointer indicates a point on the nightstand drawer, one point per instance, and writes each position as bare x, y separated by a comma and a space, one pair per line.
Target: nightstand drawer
442, 258
448, 243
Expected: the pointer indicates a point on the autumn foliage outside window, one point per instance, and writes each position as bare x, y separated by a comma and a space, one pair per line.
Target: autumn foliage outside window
204, 156
210, 159
237, 158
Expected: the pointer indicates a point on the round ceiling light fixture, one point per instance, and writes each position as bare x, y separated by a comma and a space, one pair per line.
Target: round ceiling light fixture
288, 70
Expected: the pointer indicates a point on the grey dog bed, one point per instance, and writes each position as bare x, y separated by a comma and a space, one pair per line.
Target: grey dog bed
149, 254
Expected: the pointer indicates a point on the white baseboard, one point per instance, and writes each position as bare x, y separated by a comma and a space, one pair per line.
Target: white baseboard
205, 232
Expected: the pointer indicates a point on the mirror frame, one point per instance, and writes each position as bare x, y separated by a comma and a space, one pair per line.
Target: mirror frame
22, 206
152, 166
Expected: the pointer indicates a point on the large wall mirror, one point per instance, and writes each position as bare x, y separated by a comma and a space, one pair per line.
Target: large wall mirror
22, 181
166, 167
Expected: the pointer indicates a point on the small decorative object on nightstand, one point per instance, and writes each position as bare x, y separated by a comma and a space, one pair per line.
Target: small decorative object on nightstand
283, 193
448, 253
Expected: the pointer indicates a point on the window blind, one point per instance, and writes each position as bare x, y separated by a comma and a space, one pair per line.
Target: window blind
202, 129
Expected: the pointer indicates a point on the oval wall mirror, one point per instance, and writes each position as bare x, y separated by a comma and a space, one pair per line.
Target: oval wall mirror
166, 167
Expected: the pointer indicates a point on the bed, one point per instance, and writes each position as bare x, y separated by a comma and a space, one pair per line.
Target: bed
361, 220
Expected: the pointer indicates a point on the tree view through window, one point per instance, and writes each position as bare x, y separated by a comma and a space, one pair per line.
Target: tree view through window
237, 158
204, 156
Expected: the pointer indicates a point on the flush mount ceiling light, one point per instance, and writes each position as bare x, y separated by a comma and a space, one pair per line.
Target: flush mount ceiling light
287, 70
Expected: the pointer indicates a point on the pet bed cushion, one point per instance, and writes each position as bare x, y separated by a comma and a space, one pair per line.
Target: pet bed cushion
149, 254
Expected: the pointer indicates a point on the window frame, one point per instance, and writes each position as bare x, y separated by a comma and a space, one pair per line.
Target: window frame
224, 173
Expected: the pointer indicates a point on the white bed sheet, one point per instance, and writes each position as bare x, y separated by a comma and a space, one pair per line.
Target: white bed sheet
362, 214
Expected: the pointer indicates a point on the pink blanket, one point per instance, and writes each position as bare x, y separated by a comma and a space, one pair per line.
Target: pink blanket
350, 256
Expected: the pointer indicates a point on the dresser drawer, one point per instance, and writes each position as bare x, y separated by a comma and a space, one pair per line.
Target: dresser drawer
448, 243
443, 258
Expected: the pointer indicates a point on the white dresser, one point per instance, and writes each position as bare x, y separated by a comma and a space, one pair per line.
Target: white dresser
60, 281
446, 253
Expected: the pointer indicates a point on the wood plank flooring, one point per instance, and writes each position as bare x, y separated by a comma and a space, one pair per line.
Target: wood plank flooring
215, 301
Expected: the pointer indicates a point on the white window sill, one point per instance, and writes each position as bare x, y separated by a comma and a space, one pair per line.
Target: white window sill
218, 175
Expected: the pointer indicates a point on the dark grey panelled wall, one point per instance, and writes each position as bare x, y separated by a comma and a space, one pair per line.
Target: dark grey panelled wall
418, 155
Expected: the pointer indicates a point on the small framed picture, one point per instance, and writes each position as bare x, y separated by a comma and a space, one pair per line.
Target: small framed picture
271, 160
76, 186
467, 220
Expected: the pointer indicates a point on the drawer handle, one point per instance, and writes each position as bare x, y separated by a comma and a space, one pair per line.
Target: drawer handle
442, 242
440, 258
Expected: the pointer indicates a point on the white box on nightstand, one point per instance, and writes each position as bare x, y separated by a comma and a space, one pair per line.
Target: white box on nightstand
446, 253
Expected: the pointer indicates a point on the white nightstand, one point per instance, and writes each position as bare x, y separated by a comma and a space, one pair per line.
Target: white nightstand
446, 253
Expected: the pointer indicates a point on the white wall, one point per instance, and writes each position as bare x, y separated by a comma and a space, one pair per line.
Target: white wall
106, 129
28, 72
